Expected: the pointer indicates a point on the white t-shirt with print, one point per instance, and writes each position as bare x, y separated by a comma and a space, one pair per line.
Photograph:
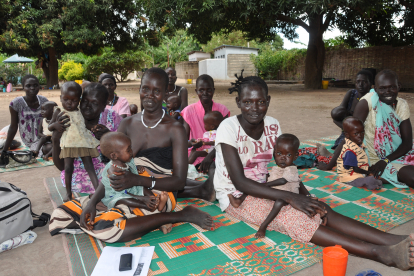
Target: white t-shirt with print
230, 132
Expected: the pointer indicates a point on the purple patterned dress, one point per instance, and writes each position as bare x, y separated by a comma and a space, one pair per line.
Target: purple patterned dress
81, 183
29, 120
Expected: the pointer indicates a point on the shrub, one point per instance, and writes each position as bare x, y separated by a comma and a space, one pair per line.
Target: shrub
117, 64
269, 62
71, 71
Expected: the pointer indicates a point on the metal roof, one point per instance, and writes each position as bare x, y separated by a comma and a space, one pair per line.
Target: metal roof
231, 46
192, 52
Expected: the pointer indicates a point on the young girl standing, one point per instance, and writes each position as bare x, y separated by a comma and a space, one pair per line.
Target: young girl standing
76, 141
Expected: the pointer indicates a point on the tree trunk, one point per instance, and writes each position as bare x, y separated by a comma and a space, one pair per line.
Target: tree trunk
51, 70
315, 56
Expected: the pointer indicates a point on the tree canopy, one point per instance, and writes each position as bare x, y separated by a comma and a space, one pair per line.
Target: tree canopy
50, 28
263, 19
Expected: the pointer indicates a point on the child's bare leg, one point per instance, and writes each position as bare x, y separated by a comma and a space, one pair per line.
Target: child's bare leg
236, 202
68, 177
163, 201
261, 233
47, 151
87, 162
400, 255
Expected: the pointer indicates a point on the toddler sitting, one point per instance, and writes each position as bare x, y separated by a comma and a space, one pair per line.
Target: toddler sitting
201, 147
46, 110
353, 163
284, 176
117, 147
173, 108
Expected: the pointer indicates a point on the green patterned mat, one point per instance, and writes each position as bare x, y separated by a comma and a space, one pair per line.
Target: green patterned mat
232, 249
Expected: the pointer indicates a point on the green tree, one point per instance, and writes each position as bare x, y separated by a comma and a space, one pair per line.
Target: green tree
49, 28
173, 49
117, 64
262, 19
238, 38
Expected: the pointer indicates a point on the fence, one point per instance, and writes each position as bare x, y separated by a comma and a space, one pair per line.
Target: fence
344, 64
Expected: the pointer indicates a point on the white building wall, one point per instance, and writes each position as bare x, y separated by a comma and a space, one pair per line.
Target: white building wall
198, 56
213, 67
225, 51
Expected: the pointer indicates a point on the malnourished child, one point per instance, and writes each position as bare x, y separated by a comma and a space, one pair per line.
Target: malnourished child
46, 110
173, 108
117, 147
353, 162
77, 140
284, 176
205, 145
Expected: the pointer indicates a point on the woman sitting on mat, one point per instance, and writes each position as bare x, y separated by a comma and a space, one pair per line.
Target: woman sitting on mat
363, 83
159, 146
194, 118
388, 131
25, 116
99, 120
251, 134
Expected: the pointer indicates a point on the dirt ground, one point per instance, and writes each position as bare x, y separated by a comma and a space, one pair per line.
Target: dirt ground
305, 113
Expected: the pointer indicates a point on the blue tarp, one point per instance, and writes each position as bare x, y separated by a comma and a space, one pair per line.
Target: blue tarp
17, 59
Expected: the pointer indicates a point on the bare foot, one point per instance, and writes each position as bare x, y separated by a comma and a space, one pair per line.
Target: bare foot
235, 202
163, 201
167, 228
261, 233
323, 151
400, 255
202, 219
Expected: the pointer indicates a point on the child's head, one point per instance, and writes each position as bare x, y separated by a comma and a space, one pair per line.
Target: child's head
84, 84
46, 109
173, 103
212, 120
70, 95
133, 108
205, 88
116, 146
286, 150
354, 129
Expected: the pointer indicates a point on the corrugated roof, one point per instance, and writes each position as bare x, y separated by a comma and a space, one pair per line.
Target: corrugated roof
231, 46
17, 59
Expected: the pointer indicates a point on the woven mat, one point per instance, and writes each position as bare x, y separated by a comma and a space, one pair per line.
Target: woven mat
39, 163
232, 249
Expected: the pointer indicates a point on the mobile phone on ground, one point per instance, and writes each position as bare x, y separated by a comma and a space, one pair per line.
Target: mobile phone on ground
125, 262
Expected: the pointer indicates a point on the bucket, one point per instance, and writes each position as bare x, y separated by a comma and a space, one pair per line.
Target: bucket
325, 84
335, 259
189, 81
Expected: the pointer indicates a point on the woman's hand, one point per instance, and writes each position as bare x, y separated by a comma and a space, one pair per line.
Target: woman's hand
87, 217
307, 205
123, 181
99, 130
378, 168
